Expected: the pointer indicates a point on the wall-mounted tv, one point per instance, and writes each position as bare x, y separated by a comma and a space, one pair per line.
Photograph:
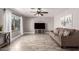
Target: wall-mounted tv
39, 25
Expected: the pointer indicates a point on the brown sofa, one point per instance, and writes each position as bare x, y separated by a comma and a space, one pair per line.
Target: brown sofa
66, 37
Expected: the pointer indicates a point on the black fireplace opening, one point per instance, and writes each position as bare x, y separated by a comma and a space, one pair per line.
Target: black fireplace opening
39, 25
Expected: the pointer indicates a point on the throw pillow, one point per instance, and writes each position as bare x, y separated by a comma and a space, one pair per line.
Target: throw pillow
66, 33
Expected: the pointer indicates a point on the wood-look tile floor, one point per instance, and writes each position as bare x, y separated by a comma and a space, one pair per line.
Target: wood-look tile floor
37, 42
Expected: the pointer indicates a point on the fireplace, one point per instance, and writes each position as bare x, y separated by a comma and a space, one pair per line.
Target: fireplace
39, 27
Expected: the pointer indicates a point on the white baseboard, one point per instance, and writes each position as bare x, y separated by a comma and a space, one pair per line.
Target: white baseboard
28, 32
15, 37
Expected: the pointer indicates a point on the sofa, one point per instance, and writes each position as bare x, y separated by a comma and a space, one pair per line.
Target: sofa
4, 39
65, 37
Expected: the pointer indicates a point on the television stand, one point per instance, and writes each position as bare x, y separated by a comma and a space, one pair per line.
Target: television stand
39, 30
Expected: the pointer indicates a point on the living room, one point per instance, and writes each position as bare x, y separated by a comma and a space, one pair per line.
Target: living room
58, 31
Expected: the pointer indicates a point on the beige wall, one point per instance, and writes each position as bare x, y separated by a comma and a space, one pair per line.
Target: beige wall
75, 15
1, 16
28, 23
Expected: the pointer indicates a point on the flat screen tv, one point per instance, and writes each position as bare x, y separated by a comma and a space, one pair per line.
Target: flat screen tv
39, 25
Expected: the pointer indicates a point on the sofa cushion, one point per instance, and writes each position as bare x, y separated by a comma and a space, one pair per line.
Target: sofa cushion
1, 39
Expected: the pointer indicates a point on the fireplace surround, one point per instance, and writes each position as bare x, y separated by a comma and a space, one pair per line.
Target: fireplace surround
39, 27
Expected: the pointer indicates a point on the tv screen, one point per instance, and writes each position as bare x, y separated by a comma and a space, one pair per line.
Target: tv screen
39, 25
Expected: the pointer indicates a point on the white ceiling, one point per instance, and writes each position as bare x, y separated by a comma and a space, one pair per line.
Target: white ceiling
28, 11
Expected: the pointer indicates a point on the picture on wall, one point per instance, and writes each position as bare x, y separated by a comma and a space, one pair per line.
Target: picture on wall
66, 21
63, 21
